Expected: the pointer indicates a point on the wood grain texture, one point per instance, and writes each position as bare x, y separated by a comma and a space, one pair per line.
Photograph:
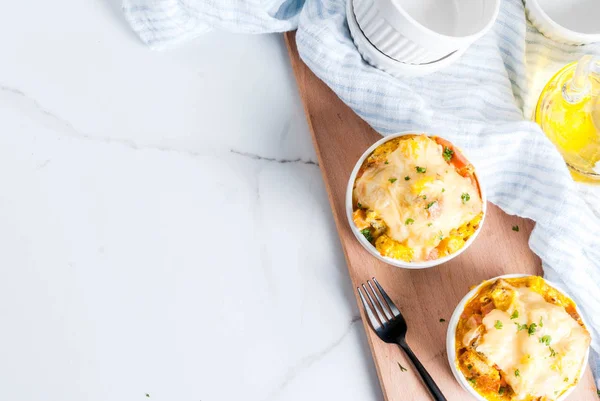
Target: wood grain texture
424, 296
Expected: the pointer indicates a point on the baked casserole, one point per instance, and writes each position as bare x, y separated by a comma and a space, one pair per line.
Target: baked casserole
520, 339
416, 198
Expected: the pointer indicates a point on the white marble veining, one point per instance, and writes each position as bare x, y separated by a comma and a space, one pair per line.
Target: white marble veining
165, 229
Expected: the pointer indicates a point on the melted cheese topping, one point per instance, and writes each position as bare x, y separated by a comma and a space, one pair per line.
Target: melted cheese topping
422, 210
539, 362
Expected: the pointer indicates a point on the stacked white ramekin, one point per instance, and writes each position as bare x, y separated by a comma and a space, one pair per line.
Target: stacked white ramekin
417, 37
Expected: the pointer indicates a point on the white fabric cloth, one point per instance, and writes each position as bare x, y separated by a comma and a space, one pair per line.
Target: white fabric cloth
482, 103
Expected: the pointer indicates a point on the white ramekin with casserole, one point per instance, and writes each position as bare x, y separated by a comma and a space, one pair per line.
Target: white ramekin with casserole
517, 337
414, 201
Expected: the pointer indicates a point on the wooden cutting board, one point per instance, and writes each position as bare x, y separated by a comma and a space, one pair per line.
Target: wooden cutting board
424, 296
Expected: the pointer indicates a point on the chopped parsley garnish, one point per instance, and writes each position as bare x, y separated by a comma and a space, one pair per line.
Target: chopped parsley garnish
515, 228
393, 180
465, 197
406, 178
501, 390
469, 366
386, 162
552, 352
521, 326
472, 380
517, 373
147, 395
515, 314
402, 368
409, 221
367, 233
566, 379
429, 225
448, 153
430, 204
546, 340
443, 190
532, 329
421, 169
359, 205
442, 320
498, 325
541, 323
425, 197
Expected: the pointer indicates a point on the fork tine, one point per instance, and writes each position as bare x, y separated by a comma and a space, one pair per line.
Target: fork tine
376, 306
372, 319
387, 314
389, 302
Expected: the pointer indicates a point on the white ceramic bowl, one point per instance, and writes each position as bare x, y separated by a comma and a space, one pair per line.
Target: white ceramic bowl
369, 247
573, 22
382, 62
451, 341
424, 31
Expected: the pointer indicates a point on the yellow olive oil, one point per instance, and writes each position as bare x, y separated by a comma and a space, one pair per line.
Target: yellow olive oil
572, 122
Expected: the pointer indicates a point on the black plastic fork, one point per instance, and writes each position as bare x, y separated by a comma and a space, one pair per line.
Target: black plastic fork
390, 326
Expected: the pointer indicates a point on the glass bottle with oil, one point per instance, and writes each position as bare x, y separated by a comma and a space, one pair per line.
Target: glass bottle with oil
568, 111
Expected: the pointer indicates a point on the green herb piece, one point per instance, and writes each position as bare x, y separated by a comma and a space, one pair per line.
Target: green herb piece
367, 233
517, 373
406, 178
566, 379
515, 228
532, 329
498, 325
425, 197
429, 225
393, 180
147, 395
443, 190
430, 204
359, 205
552, 352
442, 320
546, 340
472, 380
402, 368
541, 323
409, 221
515, 314
501, 390
598, 392
465, 197
421, 169
469, 366
448, 153
386, 162
521, 326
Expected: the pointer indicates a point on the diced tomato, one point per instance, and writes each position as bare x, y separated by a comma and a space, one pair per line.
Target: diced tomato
458, 159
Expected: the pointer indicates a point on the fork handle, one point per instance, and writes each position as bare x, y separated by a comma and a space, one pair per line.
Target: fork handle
433, 388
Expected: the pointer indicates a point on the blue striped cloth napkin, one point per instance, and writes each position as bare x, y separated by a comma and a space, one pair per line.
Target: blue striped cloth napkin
482, 103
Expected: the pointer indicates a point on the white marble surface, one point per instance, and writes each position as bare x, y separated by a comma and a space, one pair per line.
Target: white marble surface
164, 228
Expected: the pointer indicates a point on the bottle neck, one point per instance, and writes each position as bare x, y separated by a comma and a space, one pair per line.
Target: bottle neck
578, 87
